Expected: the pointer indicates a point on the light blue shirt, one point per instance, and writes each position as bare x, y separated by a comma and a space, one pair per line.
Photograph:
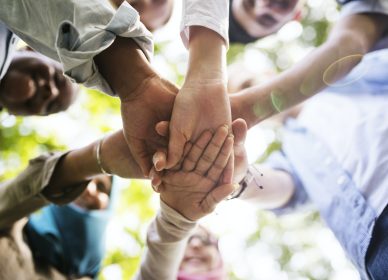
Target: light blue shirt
337, 154
352, 7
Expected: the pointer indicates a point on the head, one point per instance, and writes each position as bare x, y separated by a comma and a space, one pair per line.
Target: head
35, 85
250, 20
154, 14
97, 193
202, 259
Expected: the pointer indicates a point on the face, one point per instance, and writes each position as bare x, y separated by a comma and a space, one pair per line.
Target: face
201, 253
154, 14
35, 85
260, 18
96, 194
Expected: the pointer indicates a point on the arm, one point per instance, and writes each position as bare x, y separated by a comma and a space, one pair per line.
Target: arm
187, 194
266, 187
105, 49
75, 32
61, 177
202, 102
351, 38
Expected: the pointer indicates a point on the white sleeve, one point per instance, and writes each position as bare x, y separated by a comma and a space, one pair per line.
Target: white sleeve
212, 14
74, 32
166, 242
365, 6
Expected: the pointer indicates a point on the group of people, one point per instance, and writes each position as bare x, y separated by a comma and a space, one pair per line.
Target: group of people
190, 141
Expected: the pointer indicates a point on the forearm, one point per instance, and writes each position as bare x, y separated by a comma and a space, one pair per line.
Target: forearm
207, 56
125, 67
81, 165
349, 41
166, 243
269, 188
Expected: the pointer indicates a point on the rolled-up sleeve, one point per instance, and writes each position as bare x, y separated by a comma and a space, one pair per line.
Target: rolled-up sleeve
22, 195
278, 161
74, 32
166, 242
212, 14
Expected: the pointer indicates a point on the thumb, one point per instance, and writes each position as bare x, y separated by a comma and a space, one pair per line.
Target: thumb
239, 127
175, 148
162, 128
215, 196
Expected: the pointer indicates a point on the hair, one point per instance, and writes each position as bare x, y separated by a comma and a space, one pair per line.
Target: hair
237, 34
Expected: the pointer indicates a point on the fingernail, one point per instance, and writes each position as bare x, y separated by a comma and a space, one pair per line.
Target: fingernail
156, 188
155, 159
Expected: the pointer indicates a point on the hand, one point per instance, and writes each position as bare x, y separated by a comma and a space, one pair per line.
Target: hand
116, 157
194, 190
239, 128
35, 85
140, 115
145, 97
197, 107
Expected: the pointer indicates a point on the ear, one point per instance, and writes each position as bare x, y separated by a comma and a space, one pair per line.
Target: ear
298, 15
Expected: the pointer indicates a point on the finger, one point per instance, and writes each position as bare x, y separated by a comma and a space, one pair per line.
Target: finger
227, 175
162, 128
219, 193
194, 154
187, 149
159, 160
155, 180
139, 151
217, 169
212, 150
175, 147
239, 127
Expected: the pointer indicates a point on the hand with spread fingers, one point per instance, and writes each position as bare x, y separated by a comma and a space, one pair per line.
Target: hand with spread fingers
196, 187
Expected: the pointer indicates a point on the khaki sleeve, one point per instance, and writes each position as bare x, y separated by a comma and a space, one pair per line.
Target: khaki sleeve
22, 195
166, 242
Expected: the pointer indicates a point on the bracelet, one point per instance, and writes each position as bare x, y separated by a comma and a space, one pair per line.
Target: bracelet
98, 156
248, 178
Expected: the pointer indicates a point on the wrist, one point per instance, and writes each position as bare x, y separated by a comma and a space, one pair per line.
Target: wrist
125, 67
207, 55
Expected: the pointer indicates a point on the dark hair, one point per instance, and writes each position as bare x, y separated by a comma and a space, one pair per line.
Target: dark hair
237, 34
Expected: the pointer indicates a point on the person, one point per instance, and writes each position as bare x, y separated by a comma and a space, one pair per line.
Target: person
44, 245
201, 187
60, 178
343, 175
362, 27
250, 20
101, 47
202, 258
153, 14
34, 85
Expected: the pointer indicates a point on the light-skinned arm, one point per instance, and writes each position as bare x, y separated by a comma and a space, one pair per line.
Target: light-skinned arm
202, 103
351, 38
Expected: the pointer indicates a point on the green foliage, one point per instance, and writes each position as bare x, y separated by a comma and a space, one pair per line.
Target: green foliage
19, 143
136, 203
